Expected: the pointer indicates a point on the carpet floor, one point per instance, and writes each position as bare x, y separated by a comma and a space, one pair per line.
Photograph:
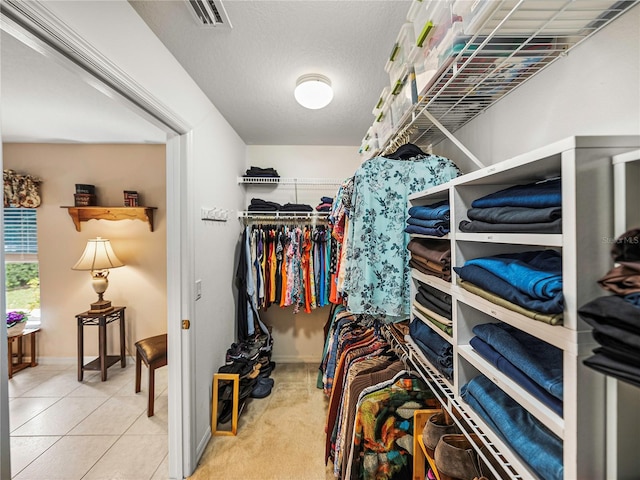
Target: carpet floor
280, 437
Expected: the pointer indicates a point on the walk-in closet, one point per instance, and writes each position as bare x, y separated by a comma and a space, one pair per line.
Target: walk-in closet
387, 240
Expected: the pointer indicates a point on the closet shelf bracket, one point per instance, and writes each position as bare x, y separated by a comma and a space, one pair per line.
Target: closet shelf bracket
452, 137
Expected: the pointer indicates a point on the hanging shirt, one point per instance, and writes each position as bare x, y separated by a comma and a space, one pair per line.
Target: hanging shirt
377, 270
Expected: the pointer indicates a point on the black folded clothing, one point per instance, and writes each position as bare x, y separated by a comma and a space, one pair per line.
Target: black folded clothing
261, 172
296, 207
259, 205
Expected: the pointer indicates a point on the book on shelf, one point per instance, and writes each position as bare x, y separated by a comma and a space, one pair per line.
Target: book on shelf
131, 198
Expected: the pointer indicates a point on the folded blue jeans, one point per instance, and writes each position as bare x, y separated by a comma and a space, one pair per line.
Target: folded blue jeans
531, 440
437, 211
517, 375
536, 195
536, 273
537, 359
488, 281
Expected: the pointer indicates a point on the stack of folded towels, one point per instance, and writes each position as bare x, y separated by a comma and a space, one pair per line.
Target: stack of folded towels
435, 306
530, 208
616, 318
529, 283
431, 257
430, 220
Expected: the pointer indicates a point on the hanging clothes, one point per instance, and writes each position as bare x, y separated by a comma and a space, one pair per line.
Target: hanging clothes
377, 270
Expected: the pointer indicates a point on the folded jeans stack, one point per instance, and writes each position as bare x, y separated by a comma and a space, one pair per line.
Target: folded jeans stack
436, 349
530, 208
533, 364
529, 283
261, 172
616, 319
430, 220
259, 205
431, 257
536, 445
435, 306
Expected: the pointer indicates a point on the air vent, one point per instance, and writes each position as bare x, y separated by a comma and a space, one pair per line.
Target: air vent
209, 13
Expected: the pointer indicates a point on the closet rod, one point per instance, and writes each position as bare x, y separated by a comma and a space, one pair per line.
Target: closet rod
310, 217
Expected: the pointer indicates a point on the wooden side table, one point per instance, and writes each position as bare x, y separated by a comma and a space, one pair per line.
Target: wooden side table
29, 333
104, 361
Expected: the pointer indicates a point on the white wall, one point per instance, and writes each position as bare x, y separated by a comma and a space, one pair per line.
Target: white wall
218, 157
594, 90
299, 337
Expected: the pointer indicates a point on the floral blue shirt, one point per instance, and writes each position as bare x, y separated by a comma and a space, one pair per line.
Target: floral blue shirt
377, 270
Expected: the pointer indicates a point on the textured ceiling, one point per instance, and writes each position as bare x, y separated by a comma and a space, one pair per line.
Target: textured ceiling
249, 72
42, 101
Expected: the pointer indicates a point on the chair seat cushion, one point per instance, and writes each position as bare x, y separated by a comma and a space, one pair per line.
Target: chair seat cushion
153, 349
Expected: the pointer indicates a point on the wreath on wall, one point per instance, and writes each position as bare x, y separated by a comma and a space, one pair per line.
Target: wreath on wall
21, 190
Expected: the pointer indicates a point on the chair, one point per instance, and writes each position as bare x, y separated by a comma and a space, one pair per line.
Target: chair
153, 352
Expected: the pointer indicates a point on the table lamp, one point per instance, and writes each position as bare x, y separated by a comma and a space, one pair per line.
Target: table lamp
98, 258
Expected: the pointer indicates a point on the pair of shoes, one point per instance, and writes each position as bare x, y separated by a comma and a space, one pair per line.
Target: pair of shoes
439, 424
262, 387
241, 367
242, 351
457, 459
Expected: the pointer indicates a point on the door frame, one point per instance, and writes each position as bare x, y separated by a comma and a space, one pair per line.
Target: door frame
33, 24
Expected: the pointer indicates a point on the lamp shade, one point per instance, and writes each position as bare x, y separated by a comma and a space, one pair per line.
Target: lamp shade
313, 91
98, 255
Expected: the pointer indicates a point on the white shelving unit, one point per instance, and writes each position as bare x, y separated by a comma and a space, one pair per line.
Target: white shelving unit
495, 47
268, 185
623, 421
584, 166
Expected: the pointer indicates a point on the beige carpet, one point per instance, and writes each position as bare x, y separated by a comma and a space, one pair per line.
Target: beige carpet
280, 437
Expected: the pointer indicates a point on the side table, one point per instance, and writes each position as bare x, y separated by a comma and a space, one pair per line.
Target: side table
29, 333
104, 361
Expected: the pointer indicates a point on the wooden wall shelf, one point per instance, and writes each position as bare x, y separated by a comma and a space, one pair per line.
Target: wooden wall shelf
82, 214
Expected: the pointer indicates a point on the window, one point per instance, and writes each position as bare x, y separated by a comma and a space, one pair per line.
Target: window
21, 257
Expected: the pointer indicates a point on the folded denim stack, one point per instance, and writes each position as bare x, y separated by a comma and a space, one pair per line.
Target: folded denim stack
431, 257
533, 364
438, 351
430, 220
251, 360
529, 283
530, 208
536, 445
259, 205
435, 306
296, 207
262, 172
616, 319
325, 204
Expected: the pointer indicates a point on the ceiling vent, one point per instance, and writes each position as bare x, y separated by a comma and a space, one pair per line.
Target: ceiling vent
209, 13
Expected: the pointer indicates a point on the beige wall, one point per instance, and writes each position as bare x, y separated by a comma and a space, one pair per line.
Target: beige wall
141, 284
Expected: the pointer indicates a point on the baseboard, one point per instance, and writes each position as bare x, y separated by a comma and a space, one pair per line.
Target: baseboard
202, 445
68, 361
296, 359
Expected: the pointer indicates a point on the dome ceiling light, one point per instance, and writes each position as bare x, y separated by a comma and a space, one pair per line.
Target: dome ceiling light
313, 91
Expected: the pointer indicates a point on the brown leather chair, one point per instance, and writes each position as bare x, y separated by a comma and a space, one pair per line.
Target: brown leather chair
153, 352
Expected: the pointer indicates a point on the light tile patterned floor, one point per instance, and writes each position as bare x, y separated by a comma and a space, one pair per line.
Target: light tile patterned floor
67, 430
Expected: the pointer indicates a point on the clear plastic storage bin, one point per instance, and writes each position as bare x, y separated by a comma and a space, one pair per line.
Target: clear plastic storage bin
400, 53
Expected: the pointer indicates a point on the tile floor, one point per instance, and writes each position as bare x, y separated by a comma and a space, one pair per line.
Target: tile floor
62, 429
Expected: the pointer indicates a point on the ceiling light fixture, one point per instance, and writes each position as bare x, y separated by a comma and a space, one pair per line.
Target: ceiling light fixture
313, 91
